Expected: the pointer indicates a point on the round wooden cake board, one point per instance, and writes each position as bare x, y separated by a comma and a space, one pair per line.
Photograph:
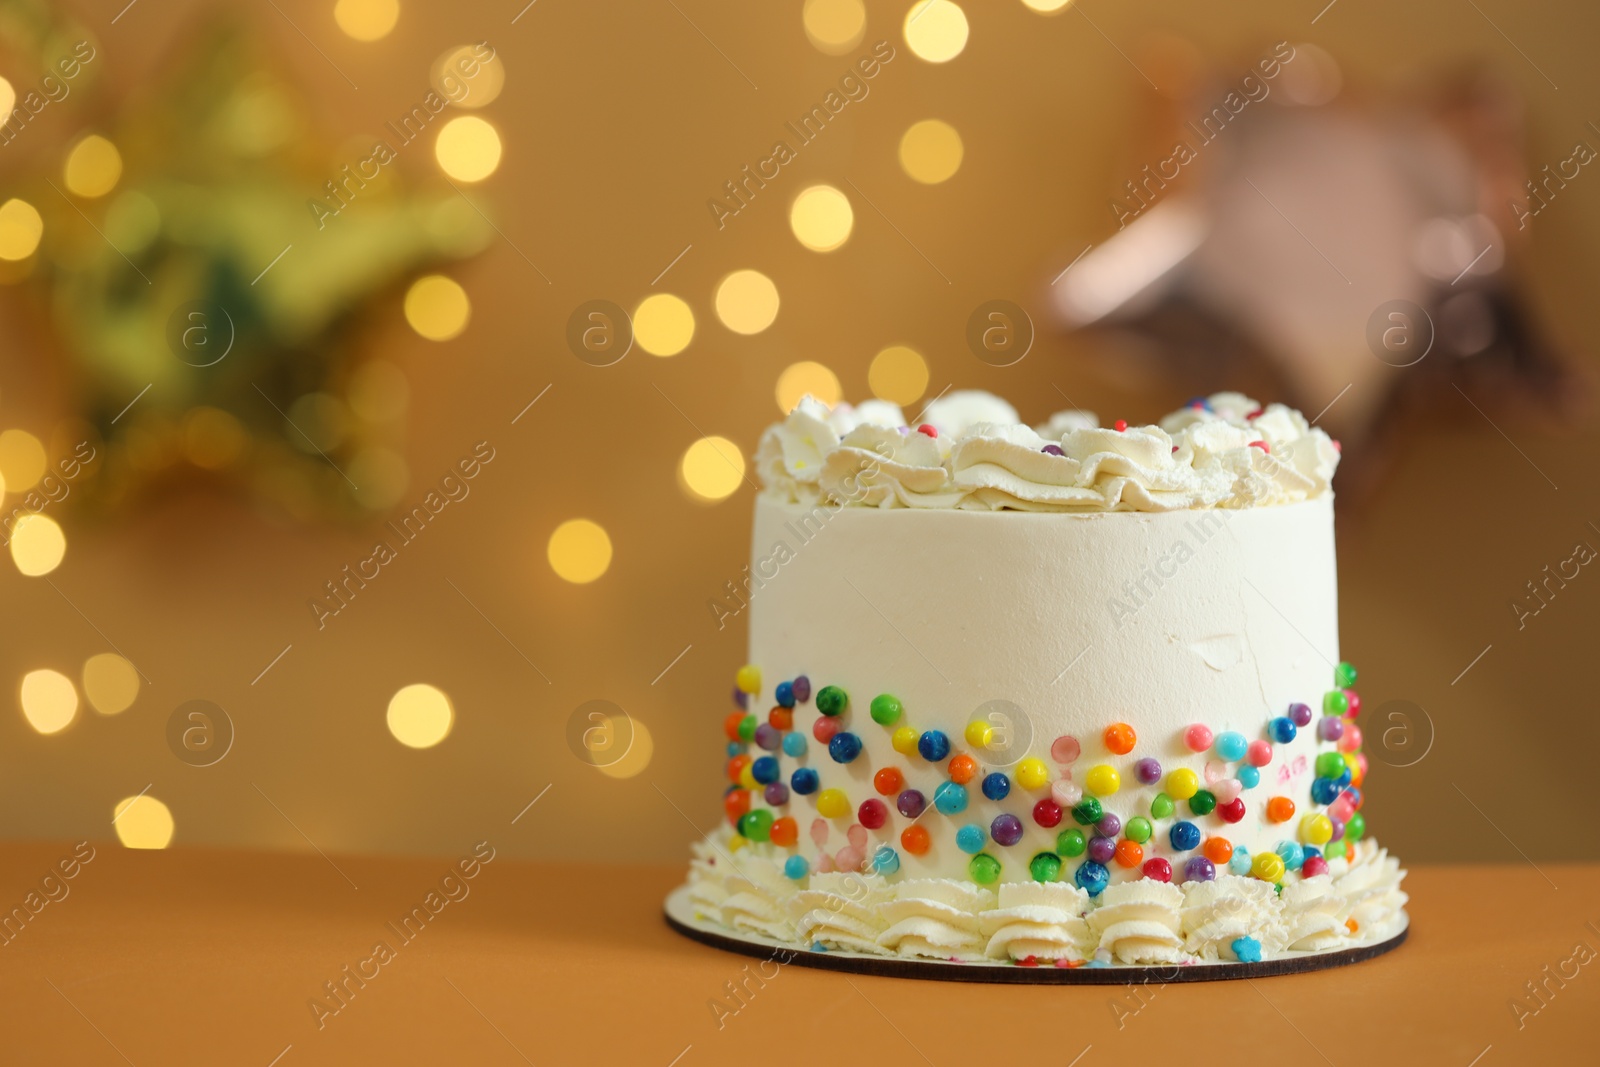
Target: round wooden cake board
679, 913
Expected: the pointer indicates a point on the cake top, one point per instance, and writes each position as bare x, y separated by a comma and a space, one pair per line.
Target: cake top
972, 452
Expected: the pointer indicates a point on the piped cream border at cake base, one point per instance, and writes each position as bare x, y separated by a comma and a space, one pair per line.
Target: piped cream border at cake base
1227, 927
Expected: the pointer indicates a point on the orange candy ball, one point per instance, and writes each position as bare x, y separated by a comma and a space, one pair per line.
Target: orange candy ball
914, 839
781, 718
730, 725
888, 781
735, 804
785, 832
962, 769
1129, 853
1120, 738
1218, 850
1280, 809
736, 767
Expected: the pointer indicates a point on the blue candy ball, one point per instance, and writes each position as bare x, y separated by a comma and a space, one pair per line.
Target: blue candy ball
736, 748
970, 839
785, 694
1239, 862
1344, 777
1092, 877
804, 781
1311, 852
996, 786
1325, 790
950, 798
1282, 729
1292, 855
1184, 836
796, 867
1248, 776
934, 746
844, 746
794, 744
765, 770
886, 860
1230, 746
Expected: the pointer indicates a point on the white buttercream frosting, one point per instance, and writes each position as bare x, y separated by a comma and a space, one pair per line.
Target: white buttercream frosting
936, 918
1219, 912
1311, 913
1369, 883
1225, 452
1139, 922
840, 909
1040, 919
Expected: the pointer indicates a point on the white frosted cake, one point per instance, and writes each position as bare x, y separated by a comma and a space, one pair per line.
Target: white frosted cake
1063, 695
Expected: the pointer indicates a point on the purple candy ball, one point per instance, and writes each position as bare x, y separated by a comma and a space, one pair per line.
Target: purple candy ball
777, 793
1301, 714
1108, 826
741, 698
1199, 869
1102, 849
769, 737
802, 689
1338, 829
911, 803
1052, 450
1330, 728
1148, 771
1006, 829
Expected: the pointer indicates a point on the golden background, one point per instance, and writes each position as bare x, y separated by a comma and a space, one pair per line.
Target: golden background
619, 121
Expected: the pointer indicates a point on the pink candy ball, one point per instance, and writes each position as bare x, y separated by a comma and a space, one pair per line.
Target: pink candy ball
824, 728
1065, 792
1314, 866
1350, 740
1065, 749
1227, 790
1197, 737
1259, 754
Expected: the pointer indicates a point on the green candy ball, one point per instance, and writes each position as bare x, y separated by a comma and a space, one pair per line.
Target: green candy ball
1334, 702
1138, 829
1045, 867
756, 825
1161, 806
1204, 802
885, 709
1344, 675
831, 700
1087, 811
1356, 827
984, 868
1071, 843
1330, 765
747, 728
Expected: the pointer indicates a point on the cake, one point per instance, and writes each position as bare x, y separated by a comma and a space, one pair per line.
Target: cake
1064, 694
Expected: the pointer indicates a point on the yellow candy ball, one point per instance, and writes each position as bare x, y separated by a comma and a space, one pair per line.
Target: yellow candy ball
904, 741
748, 679
833, 804
1183, 784
1316, 830
746, 779
1102, 781
1267, 866
979, 733
736, 842
1032, 774
1351, 762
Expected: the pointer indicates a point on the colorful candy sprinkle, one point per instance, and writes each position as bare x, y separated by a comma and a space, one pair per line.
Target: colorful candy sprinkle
1249, 777
1291, 854
1259, 754
904, 740
802, 689
962, 769
1108, 826
844, 747
1157, 869
1006, 829
1129, 854
784, 694
915, 840
1045, 867
795, 867
984, 869
1161, 805
950, 798
978, 733
1334, 702
1231, 746
1356, 828
1240, 863
1102, 780
1233, 811
1147, 771
1120, 738
1139, 829
872, 813
756, 825
1330, 729
824, 728
1282, 729
831, 803
1184, 836
996, 786
1344, 676
1204, 802
1280, 809
831, 700
885, 860
1314, 866
1197, 737
1246, 950
1267, 866
1087, 811
934, 746
1092, 877
776, 794
1047, 813
911, 803
885, 709
1102, 849
748, 679
971, 839
1199, 869
1065, 749
764, 770
1032, 774
1070, 843
747, 728
804, 781
1182, 784
888, 781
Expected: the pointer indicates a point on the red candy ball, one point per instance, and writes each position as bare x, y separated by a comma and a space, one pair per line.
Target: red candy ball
1354, 699
873, 813
928, 429
730, 725
1120, 425
1314, 866
1047, 813
1158, 869
1259, 754
824, 728
1232, 811
736, 803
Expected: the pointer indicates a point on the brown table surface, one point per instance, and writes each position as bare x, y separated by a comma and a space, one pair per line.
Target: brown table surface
210, 956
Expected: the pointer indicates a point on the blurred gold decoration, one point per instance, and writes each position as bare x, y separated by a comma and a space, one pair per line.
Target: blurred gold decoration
1357, 257
210, 263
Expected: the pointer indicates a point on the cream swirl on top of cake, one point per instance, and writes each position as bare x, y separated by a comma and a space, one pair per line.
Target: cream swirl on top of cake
1223, 452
